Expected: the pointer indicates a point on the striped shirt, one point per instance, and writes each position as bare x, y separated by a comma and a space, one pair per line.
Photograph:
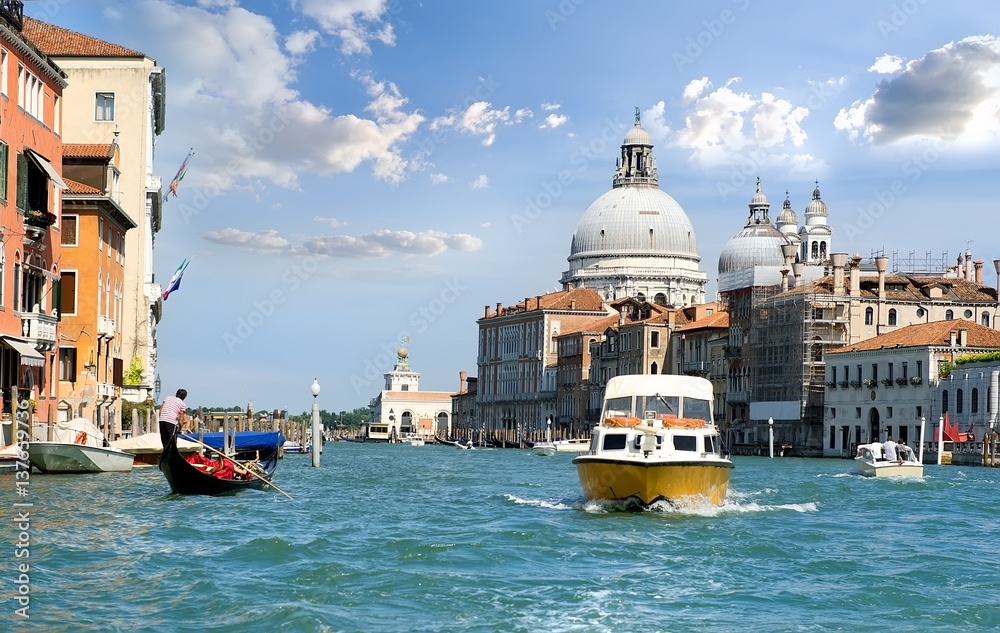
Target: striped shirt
171, 408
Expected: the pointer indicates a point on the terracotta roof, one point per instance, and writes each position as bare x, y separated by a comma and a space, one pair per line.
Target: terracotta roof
910, 288
585, 299
80, 188
717, 320
86, 150
56, 41
594, 327
416, 395
935, 334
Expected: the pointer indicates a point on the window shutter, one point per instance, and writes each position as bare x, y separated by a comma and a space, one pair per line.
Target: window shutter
118, 372
22, 182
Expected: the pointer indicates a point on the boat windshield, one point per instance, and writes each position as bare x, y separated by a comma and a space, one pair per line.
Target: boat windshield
697, 409
710, 445
661, 406
618, 407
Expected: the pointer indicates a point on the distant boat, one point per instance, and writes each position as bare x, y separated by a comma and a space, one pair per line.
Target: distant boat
544, 448
414, 440
908, 466
291, 446
467, 445
78, 449
578, 445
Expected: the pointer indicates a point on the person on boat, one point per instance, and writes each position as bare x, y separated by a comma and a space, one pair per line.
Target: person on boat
889, 449
904, 452
171, 413
876, 451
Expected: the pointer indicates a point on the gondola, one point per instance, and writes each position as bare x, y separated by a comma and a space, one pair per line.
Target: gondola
185, 479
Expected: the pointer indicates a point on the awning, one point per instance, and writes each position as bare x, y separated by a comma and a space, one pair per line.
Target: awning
29, 355
41, 271
46, 166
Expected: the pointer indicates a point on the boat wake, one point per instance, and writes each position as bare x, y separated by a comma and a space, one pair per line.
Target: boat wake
539, 503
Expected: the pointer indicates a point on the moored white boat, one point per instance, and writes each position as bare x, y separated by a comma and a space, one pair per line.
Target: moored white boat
656, 441
903, 466
544, 448
578, 445
77, 449
415, 440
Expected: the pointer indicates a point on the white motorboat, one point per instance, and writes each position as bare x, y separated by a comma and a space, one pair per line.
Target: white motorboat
544, 448
656, 441
77, 448
578, 445
906, 465
415, 440
466, 446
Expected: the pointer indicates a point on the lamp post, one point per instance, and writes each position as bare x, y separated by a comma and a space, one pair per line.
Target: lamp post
770, 437
316, 438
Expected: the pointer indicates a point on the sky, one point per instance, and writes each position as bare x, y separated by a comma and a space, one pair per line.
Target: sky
373, 171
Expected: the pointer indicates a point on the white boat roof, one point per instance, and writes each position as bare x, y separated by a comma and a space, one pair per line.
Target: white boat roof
664, 385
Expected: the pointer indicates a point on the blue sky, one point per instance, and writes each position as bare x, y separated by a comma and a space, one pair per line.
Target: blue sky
369, 169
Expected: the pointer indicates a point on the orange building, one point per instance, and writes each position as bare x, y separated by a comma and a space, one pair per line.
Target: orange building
30, 183
93, 286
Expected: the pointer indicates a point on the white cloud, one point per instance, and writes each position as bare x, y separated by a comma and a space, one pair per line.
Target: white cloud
952, 93
553, 121
301, 42
385, 243
262, 241
439, 179
522, 114
486, 225
655, 123
482, 182
232, 87
355, 22
333, 222
727, 128
886, 64
479, 119
694, 89
549, 107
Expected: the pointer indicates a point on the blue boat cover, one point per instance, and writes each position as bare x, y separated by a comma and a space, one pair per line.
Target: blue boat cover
245, 440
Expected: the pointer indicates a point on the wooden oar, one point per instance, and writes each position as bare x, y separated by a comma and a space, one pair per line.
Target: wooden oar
257, 474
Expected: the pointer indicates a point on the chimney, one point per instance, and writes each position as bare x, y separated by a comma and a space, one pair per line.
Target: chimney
784, 280
881, 263
797, 271
963, 336
486, 312
499, 305
856, 275
996, 266
526, 304
569, 285
538, 302
572, 304
978, 275
461, 382
954, 337
968, 265
839, 261
789, 250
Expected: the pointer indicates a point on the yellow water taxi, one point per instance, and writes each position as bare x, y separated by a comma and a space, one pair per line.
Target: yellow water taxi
656, 441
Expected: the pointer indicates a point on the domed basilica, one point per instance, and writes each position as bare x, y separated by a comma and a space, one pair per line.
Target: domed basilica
635, 240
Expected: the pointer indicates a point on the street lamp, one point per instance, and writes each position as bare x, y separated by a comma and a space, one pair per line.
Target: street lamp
317, 443
156, 387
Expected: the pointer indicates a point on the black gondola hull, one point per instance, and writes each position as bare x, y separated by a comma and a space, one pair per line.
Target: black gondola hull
185, 479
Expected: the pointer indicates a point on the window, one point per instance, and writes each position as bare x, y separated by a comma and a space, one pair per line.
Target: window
920, 411
100, 234
975, 400
905, 375
614, 442
967, 314
833, 412
857, 412
3, 71
20, 85
57, 115
888, 412
890, 376
892, 317
4, 157
68, 235
985, 320
67, 364
17, 286
920, 369
685, 443
833, 375
959, 401
869, 316
944, 401
108, 240
859, 373
105, 107
68, 294
949, 315
654, 340
833, 437
875, 372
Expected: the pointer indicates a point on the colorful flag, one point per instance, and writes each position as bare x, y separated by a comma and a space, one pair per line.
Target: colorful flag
175, 281
172, 189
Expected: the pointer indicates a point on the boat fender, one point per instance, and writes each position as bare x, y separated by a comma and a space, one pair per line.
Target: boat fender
81, 438
622, 422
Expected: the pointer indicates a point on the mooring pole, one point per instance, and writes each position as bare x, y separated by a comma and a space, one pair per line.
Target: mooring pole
317, 439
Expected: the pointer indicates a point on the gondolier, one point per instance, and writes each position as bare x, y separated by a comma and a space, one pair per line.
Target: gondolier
171, 414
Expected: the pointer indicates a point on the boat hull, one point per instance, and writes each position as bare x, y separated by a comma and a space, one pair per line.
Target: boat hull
572, 446
545, 449
185, 479
890, 469
56, 458
650, 481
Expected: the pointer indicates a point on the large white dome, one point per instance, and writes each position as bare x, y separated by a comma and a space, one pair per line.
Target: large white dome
638, 220
755, 245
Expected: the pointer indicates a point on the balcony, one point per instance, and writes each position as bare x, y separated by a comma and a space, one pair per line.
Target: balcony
39, 329
697, 367
105, 390
105, 327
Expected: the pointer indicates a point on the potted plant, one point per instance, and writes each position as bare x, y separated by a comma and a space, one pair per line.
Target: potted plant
844, 384
871, 384
915, 380
856, 384
831, 385
887, 383
39, 218
901, 381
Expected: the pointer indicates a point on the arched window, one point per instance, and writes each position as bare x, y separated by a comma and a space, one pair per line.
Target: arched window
869, 316
892, 317
985, 319
974, 405
442, 422
949, 315
653, 369
815, 250
640, 297
944, 401
822, 250
660, 299
958, 401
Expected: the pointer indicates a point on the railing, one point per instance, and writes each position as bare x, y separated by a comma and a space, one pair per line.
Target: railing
39, 328
696, 367
105, 390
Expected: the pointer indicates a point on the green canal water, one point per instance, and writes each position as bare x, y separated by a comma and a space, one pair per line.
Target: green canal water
402, 538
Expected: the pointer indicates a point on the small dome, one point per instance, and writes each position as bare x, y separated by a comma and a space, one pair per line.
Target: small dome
816, 206
759, 199
755, 245
787, 216
637, 136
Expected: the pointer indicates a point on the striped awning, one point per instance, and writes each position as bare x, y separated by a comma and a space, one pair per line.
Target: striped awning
30, 357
